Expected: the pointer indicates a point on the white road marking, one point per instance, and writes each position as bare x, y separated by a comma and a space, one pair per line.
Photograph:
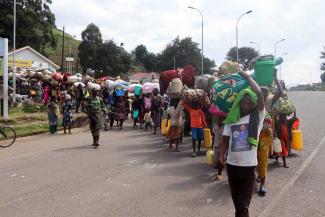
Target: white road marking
278, 198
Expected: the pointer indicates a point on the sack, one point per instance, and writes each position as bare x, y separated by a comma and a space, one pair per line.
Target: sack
228, 68
186, 74
148, 87
224, 91
57, 76
119, 92
137, 90
277, 148
283, 106
73, 79
193, 95
93, 86
175, 88
147, 103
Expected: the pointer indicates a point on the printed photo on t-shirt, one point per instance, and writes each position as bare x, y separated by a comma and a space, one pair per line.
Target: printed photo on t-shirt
239, 138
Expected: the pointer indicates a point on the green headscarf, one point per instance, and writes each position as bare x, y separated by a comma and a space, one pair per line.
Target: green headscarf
234, 113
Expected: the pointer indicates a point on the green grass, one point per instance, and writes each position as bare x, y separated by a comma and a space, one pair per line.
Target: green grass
31, 129
55, 55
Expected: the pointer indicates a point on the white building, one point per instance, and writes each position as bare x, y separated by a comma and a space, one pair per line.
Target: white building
27, 57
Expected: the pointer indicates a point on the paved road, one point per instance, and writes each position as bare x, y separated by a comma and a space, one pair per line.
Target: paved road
132, 174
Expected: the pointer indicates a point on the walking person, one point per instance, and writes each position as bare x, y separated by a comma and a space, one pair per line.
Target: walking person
156, 102
136, 110
67, 114
121, 111
53, 114
46, 94
175, 114
93, 106
79, 96
198, 122
266, 136
243, 125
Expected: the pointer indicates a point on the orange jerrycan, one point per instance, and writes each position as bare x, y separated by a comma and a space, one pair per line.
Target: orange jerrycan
164, 129
297, 143
207, 138
209, 156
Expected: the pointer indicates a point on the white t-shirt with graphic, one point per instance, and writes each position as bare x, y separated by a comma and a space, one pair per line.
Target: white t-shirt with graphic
240, 153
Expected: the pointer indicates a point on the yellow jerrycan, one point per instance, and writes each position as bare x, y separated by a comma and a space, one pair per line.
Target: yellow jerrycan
207, 138
164, 129
297, 143
209, 156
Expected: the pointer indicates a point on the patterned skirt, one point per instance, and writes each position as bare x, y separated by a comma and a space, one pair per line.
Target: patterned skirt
263, 150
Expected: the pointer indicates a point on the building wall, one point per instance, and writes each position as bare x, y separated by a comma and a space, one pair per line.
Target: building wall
38, 62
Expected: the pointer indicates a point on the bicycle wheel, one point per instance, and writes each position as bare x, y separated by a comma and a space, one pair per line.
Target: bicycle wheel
7, 136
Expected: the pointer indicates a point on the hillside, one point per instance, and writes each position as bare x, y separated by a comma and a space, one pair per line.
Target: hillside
55, 55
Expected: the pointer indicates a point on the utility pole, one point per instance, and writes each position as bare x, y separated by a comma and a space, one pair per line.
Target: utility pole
14, 57
62, 60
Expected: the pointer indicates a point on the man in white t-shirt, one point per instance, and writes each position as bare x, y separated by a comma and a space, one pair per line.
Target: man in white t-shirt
241, 147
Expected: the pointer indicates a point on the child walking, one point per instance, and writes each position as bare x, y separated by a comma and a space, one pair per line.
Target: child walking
197, 124
53, 115
147, 120
67, 114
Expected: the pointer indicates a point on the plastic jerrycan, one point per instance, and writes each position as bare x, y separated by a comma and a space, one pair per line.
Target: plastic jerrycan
297, 143
164, 129
207, 138
209, 156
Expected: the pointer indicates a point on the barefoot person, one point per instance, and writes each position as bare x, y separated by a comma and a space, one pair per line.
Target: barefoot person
175, 114
243, 124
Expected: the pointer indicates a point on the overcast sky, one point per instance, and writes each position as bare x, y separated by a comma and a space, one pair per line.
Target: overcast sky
155, 23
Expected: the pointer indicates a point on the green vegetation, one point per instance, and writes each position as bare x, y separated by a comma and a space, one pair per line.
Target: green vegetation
35, 22
55, 54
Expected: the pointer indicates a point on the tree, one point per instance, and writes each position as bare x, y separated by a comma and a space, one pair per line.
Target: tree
185, 52
34, 24
323, 58
150, 62
140, 53
245, 55
91, 42
322, 77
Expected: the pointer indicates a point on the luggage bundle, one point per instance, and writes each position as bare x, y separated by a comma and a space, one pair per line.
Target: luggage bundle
228, 68
148, 87
135, 88
93, 86
73, 79
186, 74
175, 88
194, 95
224, 92
283, 106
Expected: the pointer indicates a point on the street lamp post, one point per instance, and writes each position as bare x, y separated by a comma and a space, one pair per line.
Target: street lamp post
257, 45
202, 57
248, 12
276, 44
14, 57
281, 66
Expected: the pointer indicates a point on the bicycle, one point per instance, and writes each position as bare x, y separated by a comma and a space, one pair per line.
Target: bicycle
7, 136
